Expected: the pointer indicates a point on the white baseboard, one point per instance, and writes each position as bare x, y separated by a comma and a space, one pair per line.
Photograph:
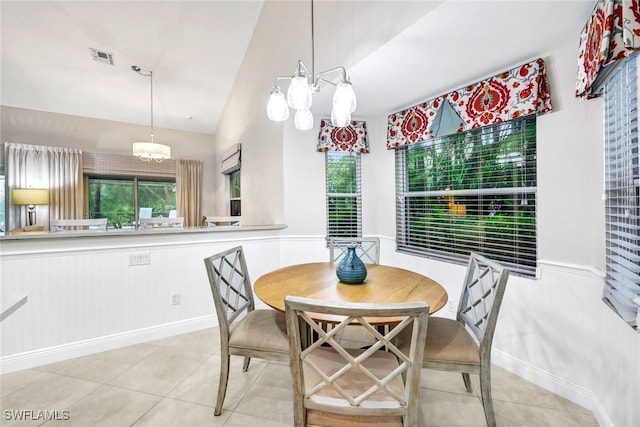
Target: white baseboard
555, 384
44, 356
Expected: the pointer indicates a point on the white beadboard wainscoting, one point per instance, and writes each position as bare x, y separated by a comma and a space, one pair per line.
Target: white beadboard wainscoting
84, 297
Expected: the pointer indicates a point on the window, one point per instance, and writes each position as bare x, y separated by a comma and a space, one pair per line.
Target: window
234, 193
121, 199
470, 192
622, 189
344, 200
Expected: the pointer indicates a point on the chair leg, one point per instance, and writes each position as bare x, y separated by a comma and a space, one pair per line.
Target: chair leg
487, 400
224, 377
245, 364
467, 382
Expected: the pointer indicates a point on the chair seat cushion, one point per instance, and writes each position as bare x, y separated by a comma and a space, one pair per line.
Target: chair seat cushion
261, 330
449, 341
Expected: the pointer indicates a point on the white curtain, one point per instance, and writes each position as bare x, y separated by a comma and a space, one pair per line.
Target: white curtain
54, 168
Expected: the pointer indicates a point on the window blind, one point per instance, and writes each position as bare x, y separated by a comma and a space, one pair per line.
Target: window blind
622, 189
344, 199
107, 164
471, 192
230, 159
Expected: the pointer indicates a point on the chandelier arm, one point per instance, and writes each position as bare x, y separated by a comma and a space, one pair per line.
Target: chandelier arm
320, 79
307, 72
277, 82
333, 70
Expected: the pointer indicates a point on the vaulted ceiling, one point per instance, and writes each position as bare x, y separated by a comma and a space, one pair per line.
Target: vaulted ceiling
398, 52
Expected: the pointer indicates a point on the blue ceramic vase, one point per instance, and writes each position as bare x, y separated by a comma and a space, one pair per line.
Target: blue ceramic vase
351, 269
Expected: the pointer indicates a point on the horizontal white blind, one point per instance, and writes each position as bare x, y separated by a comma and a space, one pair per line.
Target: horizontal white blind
230, 159
622, 188
106, 164
344, 200
471, 192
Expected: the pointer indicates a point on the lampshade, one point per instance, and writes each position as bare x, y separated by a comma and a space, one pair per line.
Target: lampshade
277, 108
30, 196
299, 93
303, 120
340, 118
344, 98
151, 151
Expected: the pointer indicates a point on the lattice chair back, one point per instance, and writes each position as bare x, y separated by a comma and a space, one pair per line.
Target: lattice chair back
336, 385
367, 248
481, 298
230, 286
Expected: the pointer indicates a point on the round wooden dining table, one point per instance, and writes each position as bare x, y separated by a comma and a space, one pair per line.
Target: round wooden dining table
384, 284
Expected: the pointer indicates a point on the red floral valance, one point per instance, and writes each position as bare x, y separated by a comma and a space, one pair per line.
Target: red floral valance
352, 138
515, 93
610, 34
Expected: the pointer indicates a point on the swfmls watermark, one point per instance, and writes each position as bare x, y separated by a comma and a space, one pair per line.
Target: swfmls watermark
35, 415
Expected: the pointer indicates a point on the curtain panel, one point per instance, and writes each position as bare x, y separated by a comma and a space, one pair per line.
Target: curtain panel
351, 139
611, 33
57, 169
189, 191
519, 92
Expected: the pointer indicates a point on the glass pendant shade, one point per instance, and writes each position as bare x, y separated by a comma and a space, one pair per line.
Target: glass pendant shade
303, 120
340, 118
299, 93
149, 151
277, 108
344, 98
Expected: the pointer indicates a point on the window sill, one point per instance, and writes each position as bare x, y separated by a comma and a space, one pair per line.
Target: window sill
28, 235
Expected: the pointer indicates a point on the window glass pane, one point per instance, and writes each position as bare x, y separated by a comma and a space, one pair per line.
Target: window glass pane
112, 199
344, 202
115, 199
160, 196
471, 192
234, 180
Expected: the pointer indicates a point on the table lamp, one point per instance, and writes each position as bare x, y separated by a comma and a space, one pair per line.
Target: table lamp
30, 197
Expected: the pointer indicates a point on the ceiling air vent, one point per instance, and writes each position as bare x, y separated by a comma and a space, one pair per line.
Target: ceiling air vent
101, 56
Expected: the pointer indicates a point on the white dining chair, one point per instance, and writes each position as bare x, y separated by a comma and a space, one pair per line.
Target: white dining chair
244, 331
367, 248
334, 385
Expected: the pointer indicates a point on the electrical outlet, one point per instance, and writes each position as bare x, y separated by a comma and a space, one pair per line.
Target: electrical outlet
175, 298
140, 258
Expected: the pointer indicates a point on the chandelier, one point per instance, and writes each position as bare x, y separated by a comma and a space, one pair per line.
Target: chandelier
149, 151
304, 83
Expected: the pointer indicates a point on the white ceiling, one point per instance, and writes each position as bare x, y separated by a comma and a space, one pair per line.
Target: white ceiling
195, 49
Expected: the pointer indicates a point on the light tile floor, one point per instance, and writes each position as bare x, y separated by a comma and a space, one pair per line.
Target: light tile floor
174, 381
